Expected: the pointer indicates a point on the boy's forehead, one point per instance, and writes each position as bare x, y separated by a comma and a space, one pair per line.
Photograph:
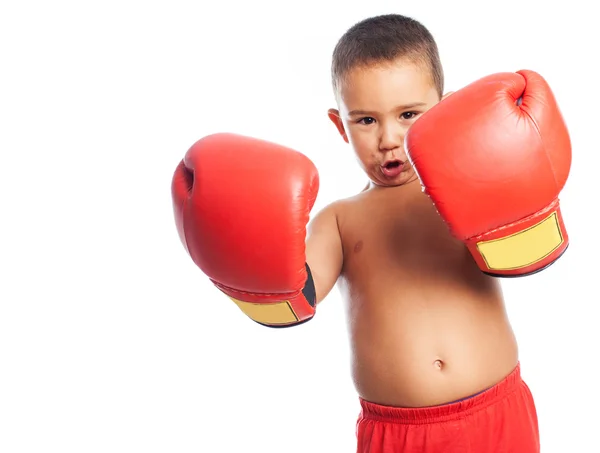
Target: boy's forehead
401, 82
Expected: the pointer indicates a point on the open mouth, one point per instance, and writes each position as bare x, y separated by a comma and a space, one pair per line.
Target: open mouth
392, 168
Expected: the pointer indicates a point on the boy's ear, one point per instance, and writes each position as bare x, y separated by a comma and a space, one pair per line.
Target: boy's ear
334, 116
446, 95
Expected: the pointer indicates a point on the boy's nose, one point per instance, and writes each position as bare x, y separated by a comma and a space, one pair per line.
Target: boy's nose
391, 138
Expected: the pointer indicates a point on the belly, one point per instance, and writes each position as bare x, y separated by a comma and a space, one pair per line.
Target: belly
424, 348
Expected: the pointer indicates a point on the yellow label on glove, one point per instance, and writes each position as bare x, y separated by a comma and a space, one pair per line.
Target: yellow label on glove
523, 248
277, 313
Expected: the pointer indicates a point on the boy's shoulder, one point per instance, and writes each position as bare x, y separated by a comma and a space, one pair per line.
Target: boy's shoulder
341, 207
370, 201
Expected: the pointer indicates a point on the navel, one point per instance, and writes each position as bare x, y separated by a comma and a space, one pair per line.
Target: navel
358, 246
438, 364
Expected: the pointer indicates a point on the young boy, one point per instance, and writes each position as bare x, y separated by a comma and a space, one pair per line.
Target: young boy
434, 358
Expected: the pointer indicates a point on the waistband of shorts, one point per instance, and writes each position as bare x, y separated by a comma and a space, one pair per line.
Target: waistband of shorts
445, 412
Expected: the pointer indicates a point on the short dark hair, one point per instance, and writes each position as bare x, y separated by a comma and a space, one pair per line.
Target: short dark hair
382, 39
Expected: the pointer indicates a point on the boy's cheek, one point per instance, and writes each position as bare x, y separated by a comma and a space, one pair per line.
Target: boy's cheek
362, 139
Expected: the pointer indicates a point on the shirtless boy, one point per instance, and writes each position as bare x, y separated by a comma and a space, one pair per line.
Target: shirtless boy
434, 359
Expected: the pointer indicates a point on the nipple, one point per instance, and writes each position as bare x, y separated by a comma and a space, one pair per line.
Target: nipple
358, 246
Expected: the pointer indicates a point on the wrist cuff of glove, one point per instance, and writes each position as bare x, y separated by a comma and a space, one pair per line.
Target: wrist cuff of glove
277, 310
524, 247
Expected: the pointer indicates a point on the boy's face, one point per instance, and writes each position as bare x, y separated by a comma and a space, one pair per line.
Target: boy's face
377, 105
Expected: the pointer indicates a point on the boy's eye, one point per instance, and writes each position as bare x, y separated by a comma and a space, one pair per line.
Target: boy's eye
408, 115
366, 120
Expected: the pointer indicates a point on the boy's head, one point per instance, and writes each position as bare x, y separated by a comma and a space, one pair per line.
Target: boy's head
386, 72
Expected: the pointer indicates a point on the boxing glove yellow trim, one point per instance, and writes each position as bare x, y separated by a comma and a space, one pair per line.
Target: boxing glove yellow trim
523, 248
278, 313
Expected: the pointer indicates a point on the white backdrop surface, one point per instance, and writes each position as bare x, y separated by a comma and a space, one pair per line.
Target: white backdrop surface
110, 338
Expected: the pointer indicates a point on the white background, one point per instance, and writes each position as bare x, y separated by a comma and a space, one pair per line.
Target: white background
110, 338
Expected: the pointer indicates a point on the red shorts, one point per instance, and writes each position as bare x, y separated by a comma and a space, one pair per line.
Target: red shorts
502, 419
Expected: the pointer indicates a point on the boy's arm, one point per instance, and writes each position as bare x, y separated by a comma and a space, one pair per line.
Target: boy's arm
324, 253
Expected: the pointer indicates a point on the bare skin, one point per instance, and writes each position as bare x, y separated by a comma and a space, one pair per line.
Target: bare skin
426, 326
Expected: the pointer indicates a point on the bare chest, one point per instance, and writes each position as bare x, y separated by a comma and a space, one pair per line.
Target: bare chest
388, 237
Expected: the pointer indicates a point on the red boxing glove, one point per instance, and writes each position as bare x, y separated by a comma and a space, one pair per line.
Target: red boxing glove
494, 157
241, 208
